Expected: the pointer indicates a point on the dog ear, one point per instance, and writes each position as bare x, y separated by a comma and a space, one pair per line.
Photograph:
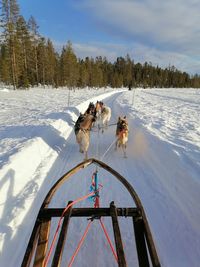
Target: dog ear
124, 117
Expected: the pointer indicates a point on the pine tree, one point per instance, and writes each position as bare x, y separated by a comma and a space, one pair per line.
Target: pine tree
33, 57
83, 79
96, 73
42, 61
24, 46
4, 65
10, 15
88, 66
57, 70
69, 66
106, 72
51, 63
128, 71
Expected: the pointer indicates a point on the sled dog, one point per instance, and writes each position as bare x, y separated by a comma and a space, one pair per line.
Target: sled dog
82, 129
103, 114
122, 131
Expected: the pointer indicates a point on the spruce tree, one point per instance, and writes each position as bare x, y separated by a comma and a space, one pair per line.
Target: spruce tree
4, 65
10, 15
51, 63
69, 66
42, 61
83, 79
33, 57
24, 46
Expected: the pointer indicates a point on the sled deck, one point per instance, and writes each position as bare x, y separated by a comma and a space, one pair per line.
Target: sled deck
36, 252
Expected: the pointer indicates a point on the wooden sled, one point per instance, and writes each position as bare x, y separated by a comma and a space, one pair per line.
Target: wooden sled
37, 247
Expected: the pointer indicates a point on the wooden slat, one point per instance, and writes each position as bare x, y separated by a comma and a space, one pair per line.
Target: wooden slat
86, 212
62, 237
140, 243
42, 244
117, 235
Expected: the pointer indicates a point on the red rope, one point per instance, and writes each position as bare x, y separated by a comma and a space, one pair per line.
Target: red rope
109, 241
59, 224
80, 244
83, 238
96, 203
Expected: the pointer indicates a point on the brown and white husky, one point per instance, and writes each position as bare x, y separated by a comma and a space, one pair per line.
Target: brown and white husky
122, 131
103, 115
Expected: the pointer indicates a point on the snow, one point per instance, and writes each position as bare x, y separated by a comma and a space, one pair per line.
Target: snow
37, 146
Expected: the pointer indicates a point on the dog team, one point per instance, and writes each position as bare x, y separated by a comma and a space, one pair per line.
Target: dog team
100, 114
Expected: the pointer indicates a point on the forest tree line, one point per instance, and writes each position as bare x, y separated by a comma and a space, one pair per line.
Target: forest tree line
28, 59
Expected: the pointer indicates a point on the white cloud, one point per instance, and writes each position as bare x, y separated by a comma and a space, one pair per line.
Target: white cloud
94, 49
165, 58
163, 21
170, 26
110, 51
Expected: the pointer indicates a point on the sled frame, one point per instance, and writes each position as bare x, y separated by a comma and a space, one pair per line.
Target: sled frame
37, 247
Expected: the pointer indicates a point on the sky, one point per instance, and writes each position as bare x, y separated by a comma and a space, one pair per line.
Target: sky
161, 32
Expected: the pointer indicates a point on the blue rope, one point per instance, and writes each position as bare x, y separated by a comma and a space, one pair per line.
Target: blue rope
94, 187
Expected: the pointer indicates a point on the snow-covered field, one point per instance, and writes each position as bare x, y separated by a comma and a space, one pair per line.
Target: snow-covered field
37, 146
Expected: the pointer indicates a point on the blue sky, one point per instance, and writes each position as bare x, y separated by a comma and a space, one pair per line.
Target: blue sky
161, 32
